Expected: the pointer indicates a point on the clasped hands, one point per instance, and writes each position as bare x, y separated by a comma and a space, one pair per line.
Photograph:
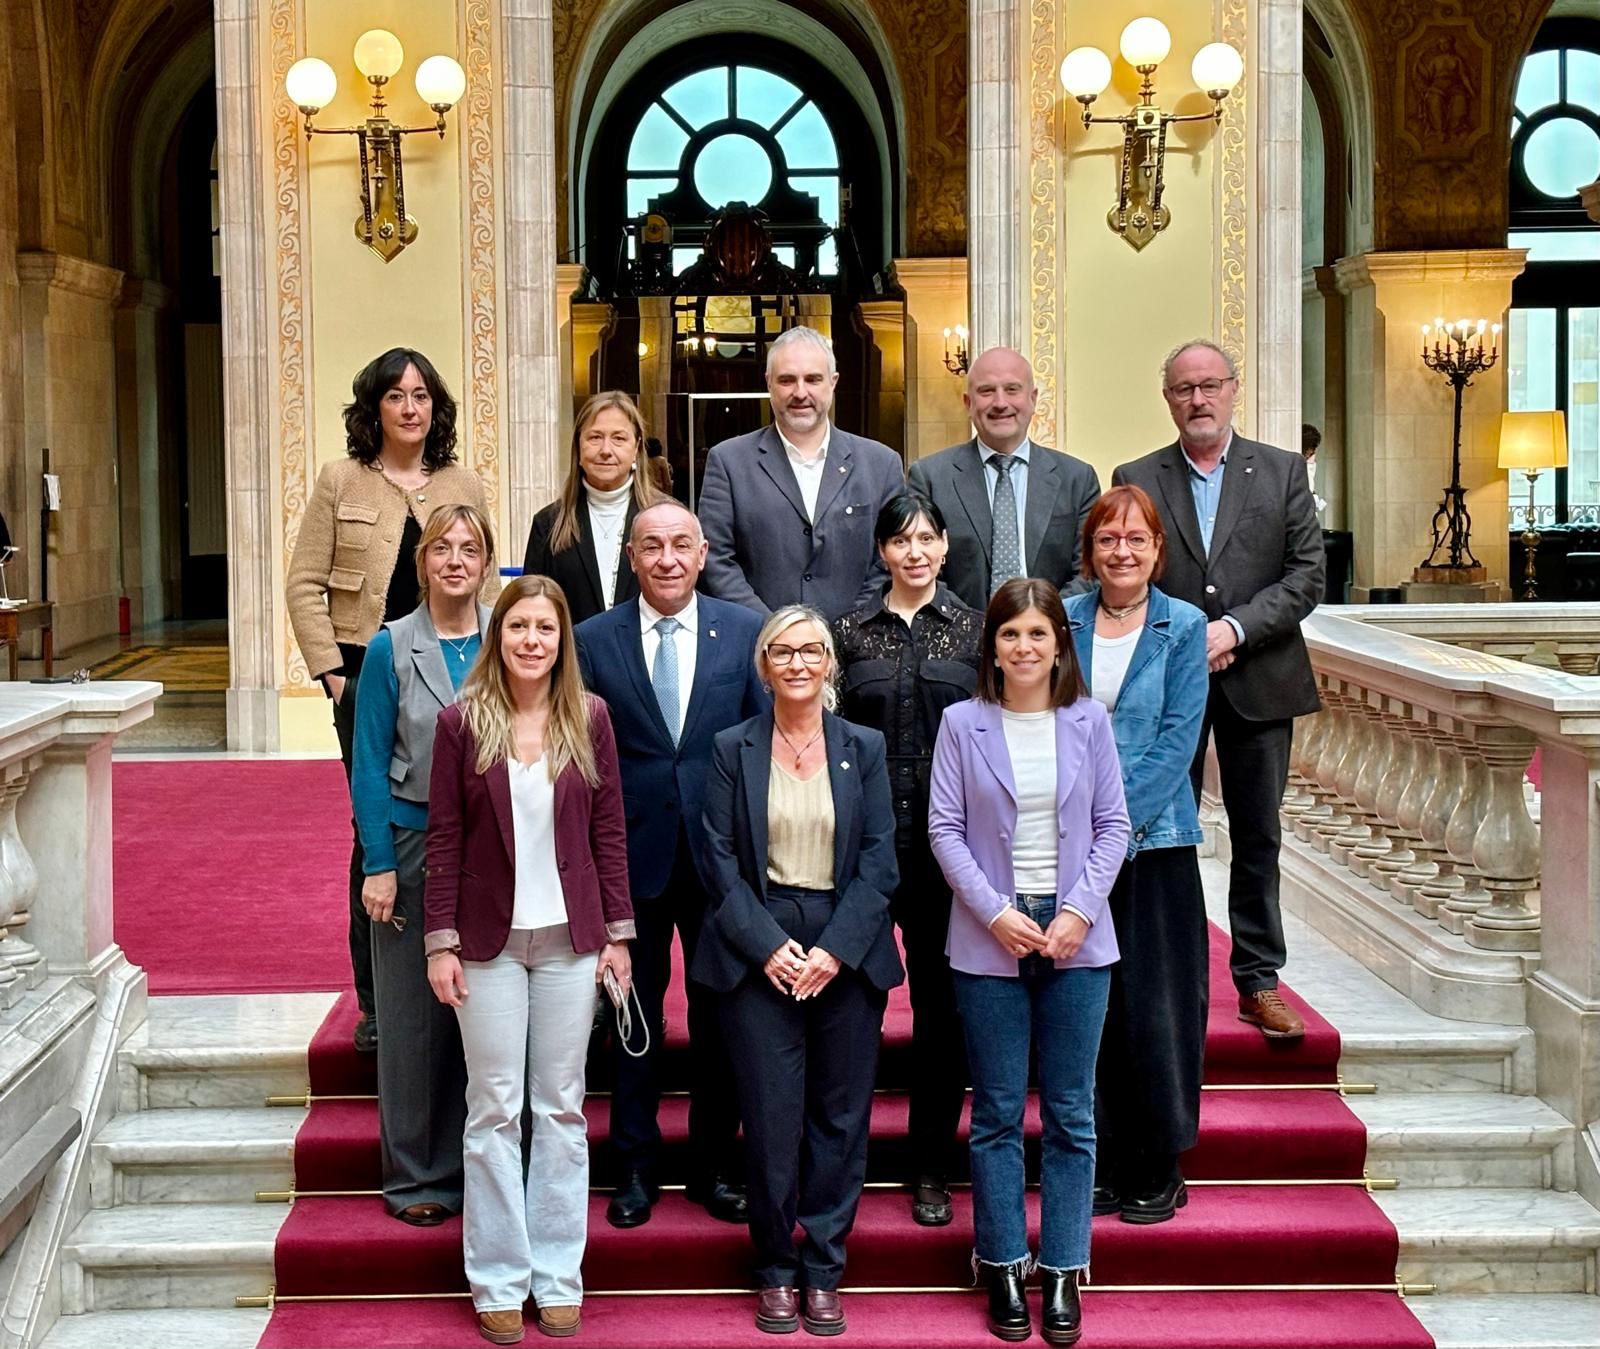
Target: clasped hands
1021, 936
800, 973
1221, 644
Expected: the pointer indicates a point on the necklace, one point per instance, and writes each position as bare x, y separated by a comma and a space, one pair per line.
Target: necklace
799, 753
458, 645
1122, 611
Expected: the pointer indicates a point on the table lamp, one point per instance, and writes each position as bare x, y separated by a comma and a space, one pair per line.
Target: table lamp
1532, 442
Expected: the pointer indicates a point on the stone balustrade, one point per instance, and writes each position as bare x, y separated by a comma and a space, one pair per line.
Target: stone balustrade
1557, 636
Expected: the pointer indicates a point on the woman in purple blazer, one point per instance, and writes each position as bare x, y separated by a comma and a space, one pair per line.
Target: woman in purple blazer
1027, 820
526, 910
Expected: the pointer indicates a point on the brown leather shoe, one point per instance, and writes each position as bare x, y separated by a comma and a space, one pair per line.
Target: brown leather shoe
778, 1310
501, 1327
824, 1314
560, 1321
423, 1215
1275, 1018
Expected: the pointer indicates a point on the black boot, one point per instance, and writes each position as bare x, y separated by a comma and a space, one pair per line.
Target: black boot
1161, 1195
1063, 1310
1008, 1309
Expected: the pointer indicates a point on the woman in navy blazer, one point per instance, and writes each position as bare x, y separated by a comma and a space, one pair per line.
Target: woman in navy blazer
1026, 819
1144, 658
799, 865
527, 909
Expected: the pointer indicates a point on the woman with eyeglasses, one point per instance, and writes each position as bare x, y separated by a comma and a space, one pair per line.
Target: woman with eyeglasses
1143, 655
904, 659
414, 668
799, 865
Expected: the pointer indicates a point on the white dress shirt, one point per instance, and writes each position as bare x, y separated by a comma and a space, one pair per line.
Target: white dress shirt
687, 641
808, 472
538, 900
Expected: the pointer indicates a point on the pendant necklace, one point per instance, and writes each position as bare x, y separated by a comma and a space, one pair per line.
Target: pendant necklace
799, 753
1123, 611
461, 649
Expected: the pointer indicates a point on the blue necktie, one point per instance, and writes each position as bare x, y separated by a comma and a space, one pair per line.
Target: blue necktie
1005, 539
664, 674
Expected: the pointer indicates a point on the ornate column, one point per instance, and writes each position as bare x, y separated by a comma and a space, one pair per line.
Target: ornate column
997, 164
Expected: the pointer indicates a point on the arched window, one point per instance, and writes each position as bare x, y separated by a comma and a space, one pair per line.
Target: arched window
1553, 342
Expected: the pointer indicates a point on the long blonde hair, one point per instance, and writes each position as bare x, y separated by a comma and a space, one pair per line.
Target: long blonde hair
490, 712
569, 526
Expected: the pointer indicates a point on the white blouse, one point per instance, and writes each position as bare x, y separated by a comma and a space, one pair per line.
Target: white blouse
608, 515
538, 900
1112, 656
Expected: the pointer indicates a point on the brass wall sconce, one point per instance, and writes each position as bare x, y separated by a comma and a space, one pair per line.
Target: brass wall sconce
383, 225
956, 358
1139, 214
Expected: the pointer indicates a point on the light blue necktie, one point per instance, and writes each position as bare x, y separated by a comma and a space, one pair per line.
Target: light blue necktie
1005, 540
664, 674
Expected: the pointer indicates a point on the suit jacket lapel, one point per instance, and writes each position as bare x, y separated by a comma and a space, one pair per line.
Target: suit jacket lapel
755, 763
630, 651
990, 742
498, 782
973, 493
707, 647
844, 780
586, 553
775, 464
427, 656
1180, 501
835, 470
1238, 479
625, 585
1044, 481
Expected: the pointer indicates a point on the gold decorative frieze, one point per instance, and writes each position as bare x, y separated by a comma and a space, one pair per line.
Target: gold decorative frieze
1233, 204
1045, 221
483, 354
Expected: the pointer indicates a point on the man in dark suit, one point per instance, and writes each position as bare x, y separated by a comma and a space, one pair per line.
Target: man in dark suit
788, 510
675, 668
1013, 508
1245, 547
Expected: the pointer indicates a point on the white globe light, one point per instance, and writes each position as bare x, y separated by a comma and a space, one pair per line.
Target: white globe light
378, 54
441, 81
311, 84
1217, 67
1085, 72
1145, 42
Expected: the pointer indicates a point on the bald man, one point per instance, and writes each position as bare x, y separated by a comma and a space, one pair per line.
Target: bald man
1013, 507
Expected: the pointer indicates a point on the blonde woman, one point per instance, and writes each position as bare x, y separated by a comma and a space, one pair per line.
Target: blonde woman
799, 866
527, 910
578, 539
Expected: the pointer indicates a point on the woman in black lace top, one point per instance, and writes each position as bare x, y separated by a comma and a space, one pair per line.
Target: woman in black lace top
903, 660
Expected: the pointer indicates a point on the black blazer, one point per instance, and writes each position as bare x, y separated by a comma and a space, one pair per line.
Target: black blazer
575, 569
1061, 490
1265, 567
739, 932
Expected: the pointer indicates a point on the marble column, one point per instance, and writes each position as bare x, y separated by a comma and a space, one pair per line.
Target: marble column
936, 299
997, 167
574, 383
1277, 82
139, 435
886, 320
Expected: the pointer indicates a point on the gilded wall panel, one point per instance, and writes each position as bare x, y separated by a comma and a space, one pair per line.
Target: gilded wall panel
482, 289
1233, 205
1045, 111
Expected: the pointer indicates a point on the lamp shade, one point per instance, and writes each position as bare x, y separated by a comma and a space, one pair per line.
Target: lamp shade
311, 83
1145, 42
1533, 440
441, 81
1217, 67
378, 54
1085, 72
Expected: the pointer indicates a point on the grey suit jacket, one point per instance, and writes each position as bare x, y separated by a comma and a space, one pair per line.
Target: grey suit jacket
766, 553
1265, 566
1061, 490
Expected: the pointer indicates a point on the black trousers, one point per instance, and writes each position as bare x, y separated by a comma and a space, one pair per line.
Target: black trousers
636, 1084
805, 1072
1253, 763
939, 1075
344, 723
1152, 1051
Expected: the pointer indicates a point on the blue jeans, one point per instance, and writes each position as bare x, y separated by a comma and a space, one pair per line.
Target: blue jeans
1062, 1013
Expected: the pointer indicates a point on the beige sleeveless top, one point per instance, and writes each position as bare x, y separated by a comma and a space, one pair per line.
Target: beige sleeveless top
800, 830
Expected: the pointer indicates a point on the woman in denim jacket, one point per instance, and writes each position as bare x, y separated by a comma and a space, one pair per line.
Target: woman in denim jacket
1143, 656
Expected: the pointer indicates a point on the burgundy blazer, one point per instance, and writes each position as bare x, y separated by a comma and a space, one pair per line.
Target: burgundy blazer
471, 880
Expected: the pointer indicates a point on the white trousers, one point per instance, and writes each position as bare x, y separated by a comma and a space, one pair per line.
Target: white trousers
525, 1028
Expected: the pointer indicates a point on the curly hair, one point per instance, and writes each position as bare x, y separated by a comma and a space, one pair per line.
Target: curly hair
363, 427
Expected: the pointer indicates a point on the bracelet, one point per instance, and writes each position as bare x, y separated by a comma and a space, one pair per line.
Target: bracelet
444, 951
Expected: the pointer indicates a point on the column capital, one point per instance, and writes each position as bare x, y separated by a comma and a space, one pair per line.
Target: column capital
932, 273
140, 292
62, 271
1429, 267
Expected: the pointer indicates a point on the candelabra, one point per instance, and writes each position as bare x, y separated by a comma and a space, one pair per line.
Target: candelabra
955, 359
1457, 353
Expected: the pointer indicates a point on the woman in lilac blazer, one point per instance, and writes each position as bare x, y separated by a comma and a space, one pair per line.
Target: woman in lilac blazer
1027, 820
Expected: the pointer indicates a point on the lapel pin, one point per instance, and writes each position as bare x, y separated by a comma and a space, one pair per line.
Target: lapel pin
1249, 470
843, 469
844, 764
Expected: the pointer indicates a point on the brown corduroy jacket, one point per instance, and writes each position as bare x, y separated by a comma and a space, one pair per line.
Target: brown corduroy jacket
348, 546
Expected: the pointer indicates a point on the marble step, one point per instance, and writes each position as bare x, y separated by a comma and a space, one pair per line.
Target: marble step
1495, 1241
194, 1328
149, 1256
197, 1155
1452, 1139
1445, 1057
1511, 1321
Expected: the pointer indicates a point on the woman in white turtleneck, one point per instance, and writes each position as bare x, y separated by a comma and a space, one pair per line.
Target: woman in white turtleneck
579, 539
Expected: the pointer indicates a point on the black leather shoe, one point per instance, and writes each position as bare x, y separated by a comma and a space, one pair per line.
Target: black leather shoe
930, 1203
1156, 1205
1063, 1309
630, 1206
1106, 1201
723, 1200
1009, 1318
366, 1036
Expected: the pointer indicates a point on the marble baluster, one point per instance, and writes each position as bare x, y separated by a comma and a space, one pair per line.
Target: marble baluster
1469, 815
1405, 777
1447, 881
1302, 753
22, 955
1344, 747
1317, 768
1385, 777
1430, 804
1506, 847
1359, 773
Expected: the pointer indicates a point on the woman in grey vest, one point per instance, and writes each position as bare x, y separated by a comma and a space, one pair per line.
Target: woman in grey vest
413, 669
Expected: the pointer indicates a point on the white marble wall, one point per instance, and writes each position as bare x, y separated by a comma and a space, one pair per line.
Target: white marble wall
997, 82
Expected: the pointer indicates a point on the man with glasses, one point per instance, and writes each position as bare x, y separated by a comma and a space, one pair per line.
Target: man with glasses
674, 668
1248, 552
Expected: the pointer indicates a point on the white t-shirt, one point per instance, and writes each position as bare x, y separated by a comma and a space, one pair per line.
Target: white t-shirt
808, 472
1031, 742
608, 514
538, 900
1111, 658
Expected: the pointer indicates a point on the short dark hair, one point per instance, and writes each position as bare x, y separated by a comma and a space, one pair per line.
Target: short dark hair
364, 431
1114, 504
900, 512
1017, 596
1310, 438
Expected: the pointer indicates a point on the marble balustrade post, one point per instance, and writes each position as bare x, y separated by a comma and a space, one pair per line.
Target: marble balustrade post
1462, 903
1404, 772
1441, 810
21, 878
1415, 807
1506, 847
1373, 788
1359, 757
1328, 817
1308, 734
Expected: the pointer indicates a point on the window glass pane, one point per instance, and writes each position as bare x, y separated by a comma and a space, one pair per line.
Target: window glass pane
1557, 245
827, 258
762, 96
641, 190
1583, 79
1538, 83
826, 191
1531, 360
1583, 407
1561, 156
733, 168
702, 98
684, 257
659, 141
784, 253
807, 143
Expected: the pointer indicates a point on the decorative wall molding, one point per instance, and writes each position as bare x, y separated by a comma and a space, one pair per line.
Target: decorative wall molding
1233, 207
480, 229
1046, 221
62, 271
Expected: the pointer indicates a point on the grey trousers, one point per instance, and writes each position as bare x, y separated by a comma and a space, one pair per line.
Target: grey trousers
422, 1073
